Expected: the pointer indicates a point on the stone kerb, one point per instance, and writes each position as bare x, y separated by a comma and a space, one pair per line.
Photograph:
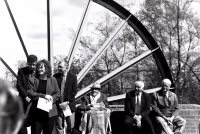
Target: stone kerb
190, 112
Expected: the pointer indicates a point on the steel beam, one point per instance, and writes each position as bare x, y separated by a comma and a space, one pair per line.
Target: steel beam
107, 43
78, 34
8, 67
123, 96
50, 35
16, 28
116, 72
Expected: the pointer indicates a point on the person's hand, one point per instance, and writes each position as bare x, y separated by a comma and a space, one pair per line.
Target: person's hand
96, 105
138, 120
139, 124
48, 97
28, 99
63, 105
172, 118
168, 120
137, 117
88, 108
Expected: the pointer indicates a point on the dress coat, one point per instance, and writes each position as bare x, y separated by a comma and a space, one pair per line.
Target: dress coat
85, 101
159, 105
70, 88
22, 80
147, 126
51, 89
130, 104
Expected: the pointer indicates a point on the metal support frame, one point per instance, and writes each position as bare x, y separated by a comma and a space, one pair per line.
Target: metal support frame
8, 67
16, 28
116, 72
107, 43
77, 36
49, 34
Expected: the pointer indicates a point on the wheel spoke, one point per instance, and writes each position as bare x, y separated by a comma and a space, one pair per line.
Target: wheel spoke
107, 43
8, 67
77, 36
16, 28
49, 34
116, 72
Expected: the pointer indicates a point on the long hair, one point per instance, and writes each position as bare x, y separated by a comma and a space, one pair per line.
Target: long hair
11, 109
47, 66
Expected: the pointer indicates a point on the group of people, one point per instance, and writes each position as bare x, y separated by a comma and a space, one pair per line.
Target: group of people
36, 81
153, 116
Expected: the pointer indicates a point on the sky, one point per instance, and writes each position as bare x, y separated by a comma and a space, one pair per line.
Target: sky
30, 16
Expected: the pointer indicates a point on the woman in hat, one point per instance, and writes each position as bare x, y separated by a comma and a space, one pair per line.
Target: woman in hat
94, 100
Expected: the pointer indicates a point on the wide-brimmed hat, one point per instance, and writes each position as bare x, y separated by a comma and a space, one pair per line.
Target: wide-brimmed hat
96, 86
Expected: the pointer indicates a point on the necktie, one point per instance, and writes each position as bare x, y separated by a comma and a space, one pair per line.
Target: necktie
63, 87
166, 100
137, 105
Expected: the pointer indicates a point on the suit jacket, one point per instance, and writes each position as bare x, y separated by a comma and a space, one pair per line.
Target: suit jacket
159, 106
85, 100
70, 88
23, 75
51, 89
130, 104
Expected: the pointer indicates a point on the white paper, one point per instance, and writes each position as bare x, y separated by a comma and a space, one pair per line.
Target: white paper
44, 104
67, 111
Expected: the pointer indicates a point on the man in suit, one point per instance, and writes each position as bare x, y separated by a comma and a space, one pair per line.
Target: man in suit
23, 75
67, 83
165, 108
137, 108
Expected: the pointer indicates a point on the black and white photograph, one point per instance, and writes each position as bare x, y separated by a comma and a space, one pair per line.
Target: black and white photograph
100, 67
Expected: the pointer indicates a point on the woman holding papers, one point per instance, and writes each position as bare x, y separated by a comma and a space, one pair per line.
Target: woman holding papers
44, 92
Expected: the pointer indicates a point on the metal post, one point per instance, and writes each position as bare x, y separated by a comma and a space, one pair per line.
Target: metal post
116, 72
107, 43
77, 36
49, 34
16, 28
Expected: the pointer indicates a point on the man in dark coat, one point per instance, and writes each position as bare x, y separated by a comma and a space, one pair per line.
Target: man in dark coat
67, 83
23, 75
137, 108
165, 108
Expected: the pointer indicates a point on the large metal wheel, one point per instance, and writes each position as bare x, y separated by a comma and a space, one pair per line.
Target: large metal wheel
132, 21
